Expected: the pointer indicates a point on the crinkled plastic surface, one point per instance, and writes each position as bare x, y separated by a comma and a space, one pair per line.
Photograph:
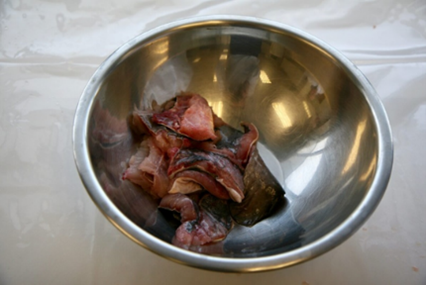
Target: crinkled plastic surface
52, 233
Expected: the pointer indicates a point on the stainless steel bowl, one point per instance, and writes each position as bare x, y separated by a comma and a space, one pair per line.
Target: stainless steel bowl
324, 133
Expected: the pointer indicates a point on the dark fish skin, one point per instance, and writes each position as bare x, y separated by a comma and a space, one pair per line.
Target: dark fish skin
262, 193
218, 209
237, 145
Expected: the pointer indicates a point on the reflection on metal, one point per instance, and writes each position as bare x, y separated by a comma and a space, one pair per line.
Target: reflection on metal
162, 46
160, 62
300, 178
264, 77
306, 106
281, 112
217, 108
370, 169
197, 60
355, 147
223, 56
214, 78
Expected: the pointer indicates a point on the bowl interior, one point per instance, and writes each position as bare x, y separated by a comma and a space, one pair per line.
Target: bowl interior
318, 134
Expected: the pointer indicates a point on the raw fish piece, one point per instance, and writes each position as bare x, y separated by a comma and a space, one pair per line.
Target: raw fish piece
148, 168
238, 143
217, 209
182, 204
133, 173
221, 168
210, 222
165, 139
202, 168
205, 231
191, 116
184, 183
230, 142
261, 190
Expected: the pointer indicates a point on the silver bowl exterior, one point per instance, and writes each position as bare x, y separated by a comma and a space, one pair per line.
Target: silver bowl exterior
324, 134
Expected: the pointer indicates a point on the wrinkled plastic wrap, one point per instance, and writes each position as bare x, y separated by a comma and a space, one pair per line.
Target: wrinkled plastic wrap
52, 233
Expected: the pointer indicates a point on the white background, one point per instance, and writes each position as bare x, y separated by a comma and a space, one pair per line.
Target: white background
51, 232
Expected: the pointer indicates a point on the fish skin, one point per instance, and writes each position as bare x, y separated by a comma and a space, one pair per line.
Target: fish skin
262, 192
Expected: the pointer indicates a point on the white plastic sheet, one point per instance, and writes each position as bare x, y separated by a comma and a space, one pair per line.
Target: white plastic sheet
51, 232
